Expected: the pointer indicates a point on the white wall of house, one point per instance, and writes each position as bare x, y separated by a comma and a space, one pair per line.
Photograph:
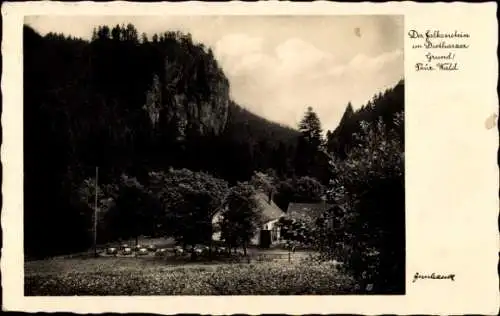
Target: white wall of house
270, 225
275, 231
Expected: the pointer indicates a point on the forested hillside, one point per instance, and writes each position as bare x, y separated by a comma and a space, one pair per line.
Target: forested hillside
384, 105
131, 105
260, 144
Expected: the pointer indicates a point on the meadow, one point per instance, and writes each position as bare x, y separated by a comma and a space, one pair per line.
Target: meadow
154, 276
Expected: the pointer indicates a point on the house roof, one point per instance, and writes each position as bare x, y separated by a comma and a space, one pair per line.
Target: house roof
307, 212
270, 211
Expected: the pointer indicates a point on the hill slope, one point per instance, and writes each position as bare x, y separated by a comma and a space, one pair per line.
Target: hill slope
383, 105
128, 104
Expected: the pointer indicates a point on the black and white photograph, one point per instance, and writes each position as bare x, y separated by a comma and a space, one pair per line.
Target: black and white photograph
214, 155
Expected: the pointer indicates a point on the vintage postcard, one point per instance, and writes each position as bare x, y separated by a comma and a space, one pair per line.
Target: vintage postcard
273, 157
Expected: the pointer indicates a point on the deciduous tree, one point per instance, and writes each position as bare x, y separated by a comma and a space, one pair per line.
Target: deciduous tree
241, 216
369, 236
190, 200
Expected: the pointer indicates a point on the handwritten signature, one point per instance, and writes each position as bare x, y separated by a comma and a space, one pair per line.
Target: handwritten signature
433, 276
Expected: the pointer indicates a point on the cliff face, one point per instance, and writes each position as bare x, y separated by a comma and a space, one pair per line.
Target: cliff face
118, 101
214, 113
192, 93
202, 117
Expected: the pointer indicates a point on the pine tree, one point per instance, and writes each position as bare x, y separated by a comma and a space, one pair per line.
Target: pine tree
115, 33
144, 38
310, 128
309, 145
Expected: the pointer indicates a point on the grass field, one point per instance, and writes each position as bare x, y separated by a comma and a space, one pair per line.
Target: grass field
154, 276
261, 272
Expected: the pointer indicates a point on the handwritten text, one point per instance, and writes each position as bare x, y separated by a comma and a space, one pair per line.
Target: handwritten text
440, 49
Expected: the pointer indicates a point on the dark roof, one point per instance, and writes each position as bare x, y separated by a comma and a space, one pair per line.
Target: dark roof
307, 212
270, 211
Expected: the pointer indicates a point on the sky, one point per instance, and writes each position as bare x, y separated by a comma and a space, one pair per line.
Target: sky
277, 66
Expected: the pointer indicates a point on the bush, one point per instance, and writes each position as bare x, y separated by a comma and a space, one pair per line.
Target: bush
111, 251
161, 252
142, 252
152, 248
127, 251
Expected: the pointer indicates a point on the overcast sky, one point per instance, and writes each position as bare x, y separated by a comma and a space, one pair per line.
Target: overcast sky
279, 65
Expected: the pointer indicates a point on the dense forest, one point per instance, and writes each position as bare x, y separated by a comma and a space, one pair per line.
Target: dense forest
383, 105
131, 104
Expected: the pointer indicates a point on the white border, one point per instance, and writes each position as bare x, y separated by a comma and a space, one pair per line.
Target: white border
451, 175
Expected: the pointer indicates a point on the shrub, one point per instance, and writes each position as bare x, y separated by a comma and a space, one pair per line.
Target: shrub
111, 251
161, 252
142, 252
221, 250
178, 250
152, 248
127, 251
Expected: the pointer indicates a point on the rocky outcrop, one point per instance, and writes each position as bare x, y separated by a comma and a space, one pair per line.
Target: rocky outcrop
196, 101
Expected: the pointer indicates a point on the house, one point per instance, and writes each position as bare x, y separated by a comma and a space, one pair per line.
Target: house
268, 232
271, 214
